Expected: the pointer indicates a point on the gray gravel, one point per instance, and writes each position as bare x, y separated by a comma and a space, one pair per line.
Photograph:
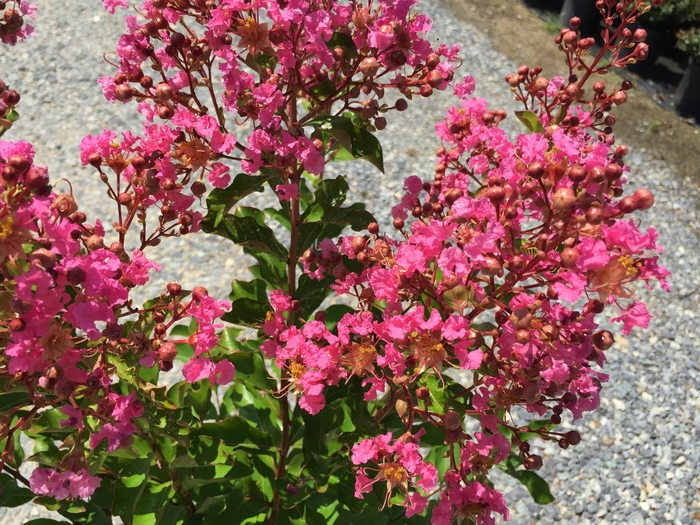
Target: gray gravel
639, 461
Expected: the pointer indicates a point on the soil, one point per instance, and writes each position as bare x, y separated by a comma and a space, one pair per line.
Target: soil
525, 38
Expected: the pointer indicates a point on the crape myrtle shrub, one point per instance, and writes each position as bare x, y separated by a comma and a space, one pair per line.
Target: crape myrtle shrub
497, 266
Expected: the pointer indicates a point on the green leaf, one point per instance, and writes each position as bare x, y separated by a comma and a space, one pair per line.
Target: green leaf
171, 515
359, 142
530, 121
536, 486
345, 42
248, 312
12, 400
221, 200
44, 521
12, 116
247, 232
233, 431
438, 394
12, 495
130, 487
269, 268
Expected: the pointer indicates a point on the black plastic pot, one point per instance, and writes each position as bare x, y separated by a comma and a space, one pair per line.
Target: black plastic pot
586, 11
659, 42
687, 96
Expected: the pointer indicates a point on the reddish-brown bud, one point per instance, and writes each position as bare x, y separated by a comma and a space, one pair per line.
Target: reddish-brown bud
569, 256
603, 339
369, 67
564, 200
174, 288
643, 199
123, 93
434, 78
452, 420
199, 293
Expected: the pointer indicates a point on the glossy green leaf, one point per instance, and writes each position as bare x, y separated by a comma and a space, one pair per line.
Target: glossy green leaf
530, 121
221, 200
536, 486
129, 488
13, 495
248, 233
359, 142
247, 312
233, 431
10, 400
345, 42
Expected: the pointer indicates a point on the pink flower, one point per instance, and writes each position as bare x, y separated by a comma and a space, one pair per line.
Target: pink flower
594, 255
634, 315
287, 192
111, 5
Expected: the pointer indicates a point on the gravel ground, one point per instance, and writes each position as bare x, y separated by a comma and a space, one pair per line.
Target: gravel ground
639, 461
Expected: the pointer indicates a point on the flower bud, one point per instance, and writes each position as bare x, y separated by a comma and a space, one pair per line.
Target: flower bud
174, 288
95, 242
358, 243
596, 175
452, 420
17, 325
541, 84
373, 228
640, 35
535, 170
165, 112
422, 393
521, 318
603, 339
199, 293
569, 256
627, 205
564, 200
619, 98
43, 258
572, 437
123, 93
369, 67
401, 104
434, 78
643, 199
533, 462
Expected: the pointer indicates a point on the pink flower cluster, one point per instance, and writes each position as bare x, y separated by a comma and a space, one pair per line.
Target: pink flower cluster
67, 295
397, 465
513, 250
323, 55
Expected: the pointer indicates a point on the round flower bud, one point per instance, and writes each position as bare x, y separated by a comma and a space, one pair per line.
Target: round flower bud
603, 339
627, 205
613, 171
643, 199
619, 98
17, 325
123, 93
434, 78
564, 200
452, 420
199, 293
533, 462
535, 170
174, 288
572, 437
422, 393
36, 178
373, 228
369, 67
43, 258
164, 92
399, 223
95, 242
541, 84
358, 243
401, 104
569, 256
596, 175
